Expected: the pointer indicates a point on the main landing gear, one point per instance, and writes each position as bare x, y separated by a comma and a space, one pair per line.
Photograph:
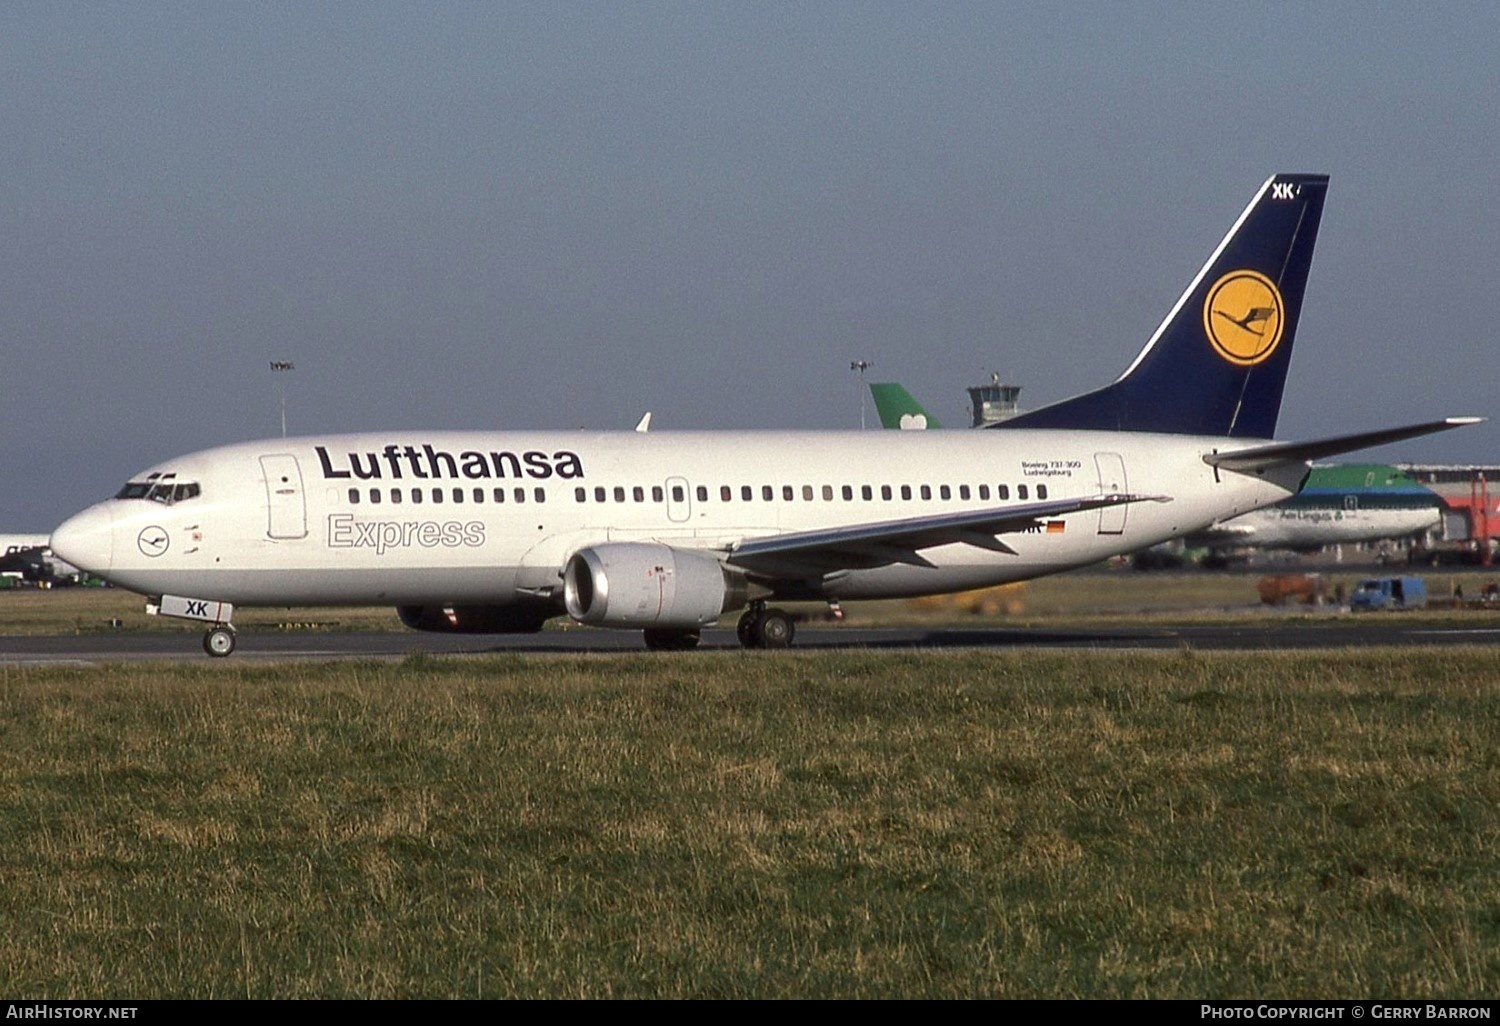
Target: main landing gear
765, 628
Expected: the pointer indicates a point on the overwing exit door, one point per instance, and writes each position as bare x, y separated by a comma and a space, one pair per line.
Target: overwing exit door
1111, 468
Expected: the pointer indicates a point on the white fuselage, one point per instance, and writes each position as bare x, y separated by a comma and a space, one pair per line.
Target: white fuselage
21, 544
409, 517
1311, 527
22, 554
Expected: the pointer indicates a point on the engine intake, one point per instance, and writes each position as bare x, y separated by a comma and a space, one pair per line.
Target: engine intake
644, 584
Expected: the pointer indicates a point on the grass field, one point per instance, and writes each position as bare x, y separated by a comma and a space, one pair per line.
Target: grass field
1159, 825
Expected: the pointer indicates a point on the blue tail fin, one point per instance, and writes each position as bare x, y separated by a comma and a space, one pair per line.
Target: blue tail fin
1218, 363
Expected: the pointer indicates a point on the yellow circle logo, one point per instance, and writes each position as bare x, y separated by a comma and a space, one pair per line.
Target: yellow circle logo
1242, 316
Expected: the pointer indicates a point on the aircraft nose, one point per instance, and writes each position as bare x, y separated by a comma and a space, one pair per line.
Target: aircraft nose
87, 540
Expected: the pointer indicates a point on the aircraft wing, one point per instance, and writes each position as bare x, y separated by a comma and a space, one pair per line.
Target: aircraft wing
861, 546
1263, 456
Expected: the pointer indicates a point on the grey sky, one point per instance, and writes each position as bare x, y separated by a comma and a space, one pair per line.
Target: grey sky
561, 215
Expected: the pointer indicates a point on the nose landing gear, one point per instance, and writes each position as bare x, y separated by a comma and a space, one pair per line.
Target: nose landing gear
219, 640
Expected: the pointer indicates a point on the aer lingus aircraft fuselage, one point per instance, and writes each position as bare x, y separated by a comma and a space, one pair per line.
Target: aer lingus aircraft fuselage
666, 532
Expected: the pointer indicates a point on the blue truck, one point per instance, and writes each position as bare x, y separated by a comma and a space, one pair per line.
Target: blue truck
1389, 593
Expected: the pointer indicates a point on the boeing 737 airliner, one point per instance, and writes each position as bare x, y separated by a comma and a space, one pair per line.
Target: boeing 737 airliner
665, 532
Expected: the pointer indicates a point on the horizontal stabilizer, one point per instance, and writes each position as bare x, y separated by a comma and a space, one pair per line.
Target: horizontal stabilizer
899, 541
1280, 453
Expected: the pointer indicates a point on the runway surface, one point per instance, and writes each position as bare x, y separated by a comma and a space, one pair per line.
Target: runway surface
1342, 632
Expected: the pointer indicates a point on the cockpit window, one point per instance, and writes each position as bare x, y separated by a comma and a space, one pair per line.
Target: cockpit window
162, 488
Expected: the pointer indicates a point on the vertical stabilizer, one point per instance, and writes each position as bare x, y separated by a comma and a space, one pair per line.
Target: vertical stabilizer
1218, 363
898, 409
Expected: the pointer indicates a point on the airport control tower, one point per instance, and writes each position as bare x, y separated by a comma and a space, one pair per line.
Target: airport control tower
994, 402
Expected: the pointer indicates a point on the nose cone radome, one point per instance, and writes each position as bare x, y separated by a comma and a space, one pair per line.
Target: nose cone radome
88, 540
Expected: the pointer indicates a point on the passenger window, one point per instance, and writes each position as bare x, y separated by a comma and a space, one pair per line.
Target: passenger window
499, 495
866, 492
539, 494
725, 493
619, 493
963, 492
984, 492
926, 492
416, 496
1041, 491
702, 493
678, 495
600, 494
1002, 491
767, 493
848, 492
458, 495
354, 496
437, 495
944, 492
747, 493
807, 493
520, 495
580, 494
396, 495
479, 495
787, 494
656, 493
885, 492
828, 493
1021, 492
638, 493
375, 496
906, 492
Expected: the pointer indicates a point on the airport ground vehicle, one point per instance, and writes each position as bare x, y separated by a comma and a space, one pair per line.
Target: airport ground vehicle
1389, 593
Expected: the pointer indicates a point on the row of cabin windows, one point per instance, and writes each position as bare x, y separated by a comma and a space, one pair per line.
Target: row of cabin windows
417, 496
789, 493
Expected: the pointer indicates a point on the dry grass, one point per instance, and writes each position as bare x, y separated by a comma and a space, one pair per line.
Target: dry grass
767, 825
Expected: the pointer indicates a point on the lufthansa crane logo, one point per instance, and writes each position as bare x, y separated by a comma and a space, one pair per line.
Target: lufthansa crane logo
1243, 317
152, 541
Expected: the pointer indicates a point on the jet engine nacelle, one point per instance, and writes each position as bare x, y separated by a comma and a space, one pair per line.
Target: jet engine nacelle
512, 619
643, 584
